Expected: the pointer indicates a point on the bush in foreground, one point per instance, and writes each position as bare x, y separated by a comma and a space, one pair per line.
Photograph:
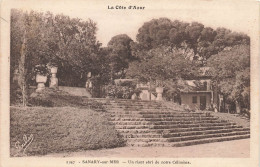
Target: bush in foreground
61, 129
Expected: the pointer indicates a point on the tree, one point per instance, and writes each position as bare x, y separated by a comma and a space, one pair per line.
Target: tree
194, 39
154, 33
73, 46
231, 74
161, 64
26, 36
69, 43
120, 54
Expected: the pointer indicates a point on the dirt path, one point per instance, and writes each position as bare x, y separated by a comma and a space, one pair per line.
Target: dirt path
228, 149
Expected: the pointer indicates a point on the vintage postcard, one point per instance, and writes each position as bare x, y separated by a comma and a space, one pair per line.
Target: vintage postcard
129, 83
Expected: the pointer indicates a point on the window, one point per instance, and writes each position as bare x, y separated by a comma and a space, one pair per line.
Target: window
194, 99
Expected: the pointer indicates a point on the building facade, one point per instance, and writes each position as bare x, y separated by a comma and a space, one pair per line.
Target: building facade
199, 93
198, 98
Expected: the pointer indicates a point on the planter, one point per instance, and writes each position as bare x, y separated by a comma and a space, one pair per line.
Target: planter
134, 97
53, 82
54, 70
41, 80
159, 91
53, 79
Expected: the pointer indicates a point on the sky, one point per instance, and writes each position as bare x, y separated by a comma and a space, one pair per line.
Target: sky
234, 15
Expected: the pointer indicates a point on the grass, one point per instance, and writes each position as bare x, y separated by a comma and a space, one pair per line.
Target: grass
57, 98
69, 124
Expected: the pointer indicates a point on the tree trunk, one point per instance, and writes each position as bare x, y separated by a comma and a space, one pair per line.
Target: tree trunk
111, 74
23, 71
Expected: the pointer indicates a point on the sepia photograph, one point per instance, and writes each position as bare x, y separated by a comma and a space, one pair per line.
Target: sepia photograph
130, 82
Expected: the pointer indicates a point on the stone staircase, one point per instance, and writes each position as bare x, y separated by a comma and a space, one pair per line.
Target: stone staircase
149, 123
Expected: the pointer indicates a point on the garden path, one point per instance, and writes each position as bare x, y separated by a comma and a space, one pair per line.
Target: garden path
227, 149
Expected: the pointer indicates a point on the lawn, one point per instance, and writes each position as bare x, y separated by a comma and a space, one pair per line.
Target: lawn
58, 98
61, 129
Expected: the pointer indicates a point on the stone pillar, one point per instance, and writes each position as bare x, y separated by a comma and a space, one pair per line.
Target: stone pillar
54, 79
134, 97
41, 80
144, 95
238, 108
159, 91
89, 87
215, 108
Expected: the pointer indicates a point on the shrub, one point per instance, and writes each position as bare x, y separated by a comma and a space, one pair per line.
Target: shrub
62, 129
111, 90
119, 91
41, 69
40, 102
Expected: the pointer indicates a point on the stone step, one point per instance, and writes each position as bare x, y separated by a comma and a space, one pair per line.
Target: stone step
189, 133
142, 135
127, 102
150, 123
132, 140
175, 130
182, 136
136, 115
185, 138
156, 115
171, 126
146, 144
114, 108
210, 140
161, 119
186, 143
196, 137
188, 122
151, 112
138, 104
164, 122
134, 103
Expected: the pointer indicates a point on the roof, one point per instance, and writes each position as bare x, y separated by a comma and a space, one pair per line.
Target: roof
195, 85
205, 72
